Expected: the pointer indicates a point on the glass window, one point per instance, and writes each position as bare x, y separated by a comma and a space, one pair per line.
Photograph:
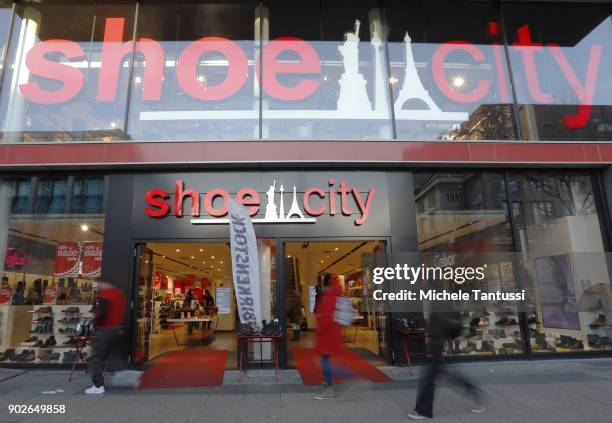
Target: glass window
472, 231
564, 261
449, 74
67, 72
87, 195
51, 258
562, 69
194, 75
325, 71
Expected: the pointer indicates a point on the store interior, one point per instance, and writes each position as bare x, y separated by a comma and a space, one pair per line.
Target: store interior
179, 268
48, 286
177, 271
304, 262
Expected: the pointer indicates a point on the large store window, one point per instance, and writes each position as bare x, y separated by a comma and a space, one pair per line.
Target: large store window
195, 72
51, 237
61, 82
552, 248
449, 75
462, 215
564, 260
562, 68
325, 71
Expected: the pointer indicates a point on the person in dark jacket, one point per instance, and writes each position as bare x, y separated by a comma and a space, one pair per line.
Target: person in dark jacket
208, 303
109, 318
443, 326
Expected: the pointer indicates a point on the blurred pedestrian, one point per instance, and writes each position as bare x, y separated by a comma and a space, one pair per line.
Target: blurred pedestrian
443, 326
329, 334
109, 315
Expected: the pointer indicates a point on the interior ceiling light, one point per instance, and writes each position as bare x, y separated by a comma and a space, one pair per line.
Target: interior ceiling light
84, 228
336, 249
178, 251
212, 257
305, 245
201, 250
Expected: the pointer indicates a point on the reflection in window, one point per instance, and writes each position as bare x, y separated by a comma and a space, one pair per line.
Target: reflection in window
562, 70
332, 83
205, 88
88, 195
464, 215
50, 259
449, 81
74, 88
564, 261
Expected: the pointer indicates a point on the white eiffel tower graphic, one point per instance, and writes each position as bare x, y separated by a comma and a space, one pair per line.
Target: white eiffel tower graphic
413, 89
295, 209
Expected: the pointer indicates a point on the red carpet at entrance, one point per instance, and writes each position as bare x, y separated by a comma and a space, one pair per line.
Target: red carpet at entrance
191, 367
308, 363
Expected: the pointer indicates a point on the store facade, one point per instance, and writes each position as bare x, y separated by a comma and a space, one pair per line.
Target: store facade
380, 126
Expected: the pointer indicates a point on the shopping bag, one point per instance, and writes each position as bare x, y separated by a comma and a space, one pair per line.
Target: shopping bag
344, 313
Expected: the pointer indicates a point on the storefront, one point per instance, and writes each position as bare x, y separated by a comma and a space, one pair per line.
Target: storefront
352, 133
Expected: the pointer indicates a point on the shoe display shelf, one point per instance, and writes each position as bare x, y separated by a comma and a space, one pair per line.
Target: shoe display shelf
497, 332
599, 329
55, 321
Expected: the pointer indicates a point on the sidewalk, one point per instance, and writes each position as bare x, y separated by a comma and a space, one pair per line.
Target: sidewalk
560, 391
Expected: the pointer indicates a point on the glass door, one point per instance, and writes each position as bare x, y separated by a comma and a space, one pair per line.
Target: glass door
143, 296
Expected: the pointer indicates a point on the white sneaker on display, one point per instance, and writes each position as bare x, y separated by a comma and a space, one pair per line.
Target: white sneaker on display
94, 390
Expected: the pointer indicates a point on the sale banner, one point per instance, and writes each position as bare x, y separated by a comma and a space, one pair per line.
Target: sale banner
189, 280
92, 260
5, 294
50, 295
67, 259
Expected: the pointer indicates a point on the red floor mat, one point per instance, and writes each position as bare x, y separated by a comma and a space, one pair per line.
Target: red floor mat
187, 368
308, 363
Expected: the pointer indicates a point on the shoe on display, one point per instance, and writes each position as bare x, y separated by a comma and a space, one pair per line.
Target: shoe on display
597, 306
50, 342
95, 390
415, 415
328, 393
596, 289
600, 321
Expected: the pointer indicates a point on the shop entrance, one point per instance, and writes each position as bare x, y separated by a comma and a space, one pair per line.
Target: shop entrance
184, 301
352, 262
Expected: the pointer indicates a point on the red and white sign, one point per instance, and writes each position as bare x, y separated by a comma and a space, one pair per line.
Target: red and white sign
50, 295
157, 280
67, 256
15, 257
353, 101
92, 260
5, 294
340, 199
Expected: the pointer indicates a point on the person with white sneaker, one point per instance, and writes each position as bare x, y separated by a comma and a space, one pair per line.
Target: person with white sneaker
443, 326
109, 318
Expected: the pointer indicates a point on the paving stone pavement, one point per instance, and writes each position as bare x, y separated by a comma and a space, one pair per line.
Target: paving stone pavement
559, 391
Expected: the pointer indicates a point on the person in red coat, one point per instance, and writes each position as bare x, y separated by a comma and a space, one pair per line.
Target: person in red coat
328, 338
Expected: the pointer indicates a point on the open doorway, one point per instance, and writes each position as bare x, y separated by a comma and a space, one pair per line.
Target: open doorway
351, 261
185, 300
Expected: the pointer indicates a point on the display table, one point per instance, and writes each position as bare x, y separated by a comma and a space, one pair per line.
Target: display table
243, 347
410, 335
187, 321
79, 343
